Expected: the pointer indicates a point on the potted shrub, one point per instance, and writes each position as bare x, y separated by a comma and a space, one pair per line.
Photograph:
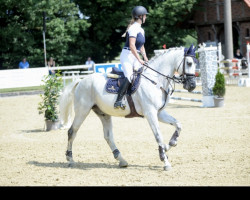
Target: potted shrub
219, 89
50, 99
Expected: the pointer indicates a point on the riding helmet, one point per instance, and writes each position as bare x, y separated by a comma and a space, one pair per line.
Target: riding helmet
138, 11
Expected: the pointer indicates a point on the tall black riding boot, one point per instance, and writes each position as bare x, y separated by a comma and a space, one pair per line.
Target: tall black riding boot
122, 91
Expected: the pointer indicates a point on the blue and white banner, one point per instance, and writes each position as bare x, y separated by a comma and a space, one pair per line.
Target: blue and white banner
106, 68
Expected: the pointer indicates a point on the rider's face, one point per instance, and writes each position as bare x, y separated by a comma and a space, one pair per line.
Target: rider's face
144, 17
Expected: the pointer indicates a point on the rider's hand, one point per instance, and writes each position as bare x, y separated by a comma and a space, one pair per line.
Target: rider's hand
141, 61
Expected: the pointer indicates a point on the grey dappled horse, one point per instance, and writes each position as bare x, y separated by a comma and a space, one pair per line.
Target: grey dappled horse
149, 100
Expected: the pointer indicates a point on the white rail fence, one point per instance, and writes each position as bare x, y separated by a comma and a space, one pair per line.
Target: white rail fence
17, 78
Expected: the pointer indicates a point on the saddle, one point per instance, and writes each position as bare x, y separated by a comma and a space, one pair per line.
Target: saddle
115, 81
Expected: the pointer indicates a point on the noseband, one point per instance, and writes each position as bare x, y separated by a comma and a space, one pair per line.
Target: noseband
184, 76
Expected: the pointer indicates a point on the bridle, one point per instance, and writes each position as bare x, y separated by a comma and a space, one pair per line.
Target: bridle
181, 79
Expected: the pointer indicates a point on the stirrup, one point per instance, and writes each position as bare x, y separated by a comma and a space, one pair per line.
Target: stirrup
119, 104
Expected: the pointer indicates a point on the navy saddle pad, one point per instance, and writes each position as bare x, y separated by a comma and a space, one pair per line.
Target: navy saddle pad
112, 84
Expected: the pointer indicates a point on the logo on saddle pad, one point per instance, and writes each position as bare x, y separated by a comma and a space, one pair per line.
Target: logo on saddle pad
112, 88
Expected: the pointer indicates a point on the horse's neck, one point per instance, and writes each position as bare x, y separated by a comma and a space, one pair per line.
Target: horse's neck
166, 64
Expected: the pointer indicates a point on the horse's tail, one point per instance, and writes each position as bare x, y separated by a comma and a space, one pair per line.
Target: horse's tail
66, 103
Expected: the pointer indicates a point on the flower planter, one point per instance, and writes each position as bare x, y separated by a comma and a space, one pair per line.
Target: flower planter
218, 101
50, 99
50, 125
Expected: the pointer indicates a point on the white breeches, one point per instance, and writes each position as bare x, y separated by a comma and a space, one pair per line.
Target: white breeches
129, 62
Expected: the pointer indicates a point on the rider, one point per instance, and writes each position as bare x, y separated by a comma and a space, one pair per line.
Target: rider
134, 45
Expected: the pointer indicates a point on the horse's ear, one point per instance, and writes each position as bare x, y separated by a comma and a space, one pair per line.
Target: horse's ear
194, 49
188, 50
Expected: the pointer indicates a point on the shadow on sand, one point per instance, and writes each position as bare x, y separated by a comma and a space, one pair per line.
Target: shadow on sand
33, 131
87, 166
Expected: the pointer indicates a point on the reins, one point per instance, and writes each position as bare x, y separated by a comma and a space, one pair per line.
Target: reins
180, 79
174, 78
162, 89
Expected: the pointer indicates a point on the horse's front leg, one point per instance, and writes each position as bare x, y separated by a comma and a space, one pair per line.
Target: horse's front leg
164, 117
154, 124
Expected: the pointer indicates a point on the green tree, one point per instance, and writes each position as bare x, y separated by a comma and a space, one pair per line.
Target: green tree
21, 31
166, 23
109, 20
64, 29
77, 29
16, 39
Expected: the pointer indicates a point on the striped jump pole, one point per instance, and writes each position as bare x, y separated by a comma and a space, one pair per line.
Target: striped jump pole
235, 68
185, 91
186, 99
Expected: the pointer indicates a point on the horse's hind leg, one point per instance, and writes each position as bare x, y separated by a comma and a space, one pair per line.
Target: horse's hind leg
108, 135
164, 117
78, 120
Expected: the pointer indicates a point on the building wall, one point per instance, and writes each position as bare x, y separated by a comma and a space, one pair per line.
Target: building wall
209, 21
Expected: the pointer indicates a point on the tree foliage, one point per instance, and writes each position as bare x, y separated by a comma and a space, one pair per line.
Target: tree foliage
22, 25
109, 20
77, 29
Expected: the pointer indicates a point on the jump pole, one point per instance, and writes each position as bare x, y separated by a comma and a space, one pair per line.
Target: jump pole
186, 99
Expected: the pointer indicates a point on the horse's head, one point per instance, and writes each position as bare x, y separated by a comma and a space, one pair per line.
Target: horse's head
187, 71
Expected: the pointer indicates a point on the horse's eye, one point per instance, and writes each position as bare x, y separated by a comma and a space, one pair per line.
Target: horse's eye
189, 64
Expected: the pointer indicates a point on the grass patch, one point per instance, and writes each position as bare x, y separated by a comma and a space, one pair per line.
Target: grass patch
34, 88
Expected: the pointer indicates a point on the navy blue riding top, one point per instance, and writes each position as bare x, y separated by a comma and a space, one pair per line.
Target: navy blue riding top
136, 31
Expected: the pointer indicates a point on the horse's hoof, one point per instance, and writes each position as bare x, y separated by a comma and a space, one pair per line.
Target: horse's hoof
71, 165
123, 164
166, 168
68, 158
172, 143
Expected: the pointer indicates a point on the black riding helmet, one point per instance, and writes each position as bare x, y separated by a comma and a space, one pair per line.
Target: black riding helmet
139, 11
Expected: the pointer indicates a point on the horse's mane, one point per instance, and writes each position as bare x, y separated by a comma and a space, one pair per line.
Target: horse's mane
167, 51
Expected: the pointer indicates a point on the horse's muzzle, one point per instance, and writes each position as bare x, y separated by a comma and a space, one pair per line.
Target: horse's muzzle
189, 83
